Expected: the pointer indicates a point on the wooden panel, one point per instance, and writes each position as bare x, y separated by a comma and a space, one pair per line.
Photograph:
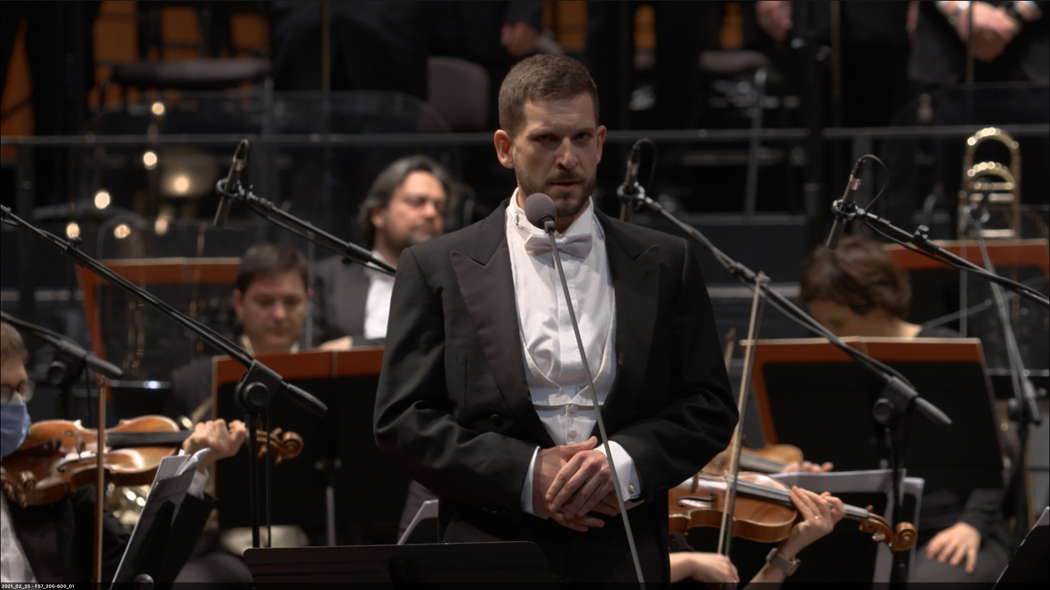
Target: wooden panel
311, 364
1002, 252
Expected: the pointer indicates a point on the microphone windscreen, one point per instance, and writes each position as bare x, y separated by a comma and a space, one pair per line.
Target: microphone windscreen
539, 208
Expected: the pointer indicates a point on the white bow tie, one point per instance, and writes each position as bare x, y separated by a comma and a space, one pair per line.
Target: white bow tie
578, 245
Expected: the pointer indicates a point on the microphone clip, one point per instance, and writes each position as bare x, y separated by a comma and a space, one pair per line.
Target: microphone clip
845, 209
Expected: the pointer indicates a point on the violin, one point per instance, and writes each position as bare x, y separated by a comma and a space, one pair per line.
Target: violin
764, 511
59, 456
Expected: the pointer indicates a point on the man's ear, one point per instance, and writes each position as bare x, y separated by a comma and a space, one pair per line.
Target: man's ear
377, 217
238, 303
502, 141
600, 137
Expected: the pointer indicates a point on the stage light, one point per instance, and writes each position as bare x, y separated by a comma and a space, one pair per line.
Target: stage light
161, 224
157, 108
149, 159
102, 199
122, 231
180, 184
72, 230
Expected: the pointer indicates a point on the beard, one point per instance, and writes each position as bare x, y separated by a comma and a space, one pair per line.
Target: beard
568, 203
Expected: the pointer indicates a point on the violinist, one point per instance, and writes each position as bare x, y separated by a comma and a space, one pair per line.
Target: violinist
820, 513
53, 543
856, 290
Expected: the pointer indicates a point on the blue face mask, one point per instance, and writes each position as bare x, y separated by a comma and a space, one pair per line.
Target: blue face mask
14, 426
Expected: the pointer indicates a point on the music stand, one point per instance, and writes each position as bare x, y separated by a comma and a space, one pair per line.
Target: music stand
162, 540
513, 562
811, 394
1028, 563
341, 489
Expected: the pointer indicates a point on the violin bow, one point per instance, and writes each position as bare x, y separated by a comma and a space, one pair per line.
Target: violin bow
725, 532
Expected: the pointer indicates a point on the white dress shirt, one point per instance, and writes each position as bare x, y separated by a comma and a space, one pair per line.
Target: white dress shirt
377, 303
557, 380
14, 566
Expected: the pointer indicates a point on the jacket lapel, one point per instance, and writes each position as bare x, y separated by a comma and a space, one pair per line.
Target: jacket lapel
487, 286
633, 266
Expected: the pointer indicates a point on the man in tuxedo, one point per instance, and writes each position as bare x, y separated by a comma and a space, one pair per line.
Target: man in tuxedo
483, 397
405, 205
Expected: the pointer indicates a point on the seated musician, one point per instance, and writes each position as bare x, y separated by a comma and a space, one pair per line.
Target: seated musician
820, 513
53, 543
856, 290
405, 205
270, 300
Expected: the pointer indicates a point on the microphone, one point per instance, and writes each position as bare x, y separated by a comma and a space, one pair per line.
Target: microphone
541, 212
228, 184
629, 188
839, 206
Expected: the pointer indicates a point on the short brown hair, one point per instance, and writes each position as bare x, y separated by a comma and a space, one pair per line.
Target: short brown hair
542, 77
11, 344
858, 274
267, 260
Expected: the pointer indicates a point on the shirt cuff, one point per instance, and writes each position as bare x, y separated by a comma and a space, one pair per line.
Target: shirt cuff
630, 483
526, 487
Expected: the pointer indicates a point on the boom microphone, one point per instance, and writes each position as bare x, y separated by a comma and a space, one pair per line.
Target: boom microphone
839, 206
229, 184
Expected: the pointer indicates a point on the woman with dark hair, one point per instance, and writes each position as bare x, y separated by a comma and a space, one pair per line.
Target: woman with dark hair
856, 290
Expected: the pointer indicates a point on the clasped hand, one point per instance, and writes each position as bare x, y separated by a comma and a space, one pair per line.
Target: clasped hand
571, 481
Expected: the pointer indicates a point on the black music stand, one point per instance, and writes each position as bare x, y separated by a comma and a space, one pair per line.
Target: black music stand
514, 562
811, 395
1028, 564
164, 536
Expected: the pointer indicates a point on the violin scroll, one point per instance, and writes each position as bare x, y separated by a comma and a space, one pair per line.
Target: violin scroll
283, 445
902, 538
905, 538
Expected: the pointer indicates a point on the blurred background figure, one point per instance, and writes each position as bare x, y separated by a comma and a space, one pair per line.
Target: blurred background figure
406, 205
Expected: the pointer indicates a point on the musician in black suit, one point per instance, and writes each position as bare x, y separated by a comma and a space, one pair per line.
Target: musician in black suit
405, 205
53, 542
270, 299
483, 398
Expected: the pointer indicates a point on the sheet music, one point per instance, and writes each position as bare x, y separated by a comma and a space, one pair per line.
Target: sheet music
172, 482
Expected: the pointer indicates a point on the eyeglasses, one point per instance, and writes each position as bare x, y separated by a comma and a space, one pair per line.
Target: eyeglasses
24, 391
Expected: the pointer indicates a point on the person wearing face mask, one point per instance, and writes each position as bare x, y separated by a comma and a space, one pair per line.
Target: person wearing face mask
405, 205
54, 542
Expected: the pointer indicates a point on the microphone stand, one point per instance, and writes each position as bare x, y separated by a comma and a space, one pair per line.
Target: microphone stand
1023, 407
69, 363
1024, 400
274, 214
548, 227
253, 391
920, 243
897, 398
